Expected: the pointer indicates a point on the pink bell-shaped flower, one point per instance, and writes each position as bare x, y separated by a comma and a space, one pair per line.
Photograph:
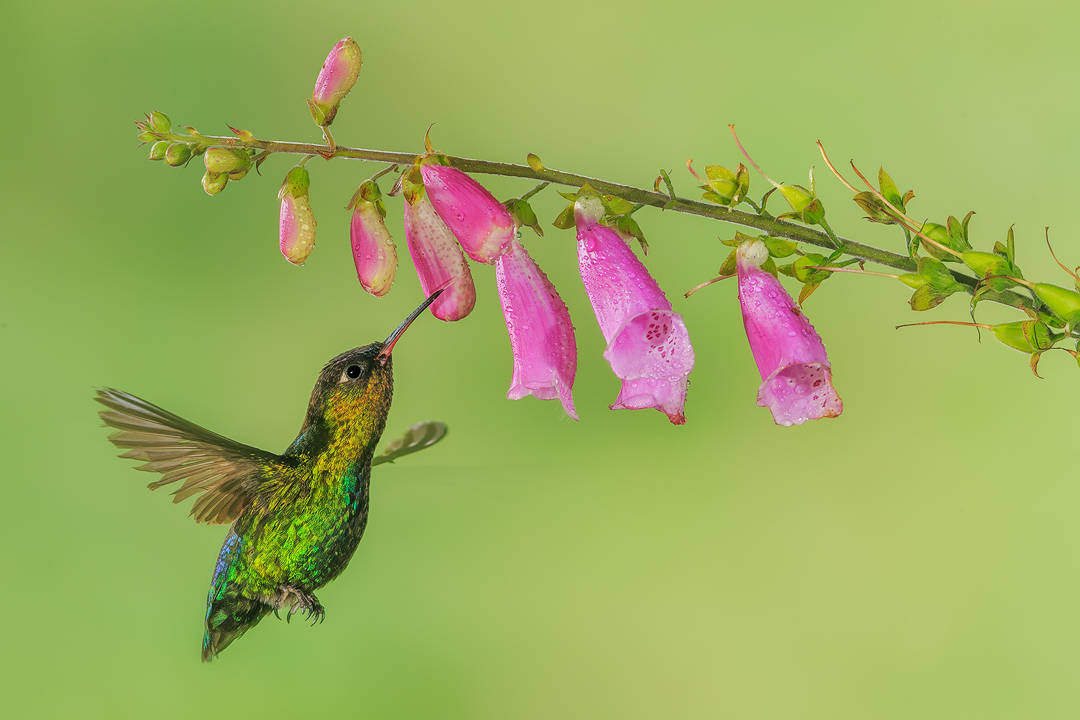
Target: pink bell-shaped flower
336, 79
648, 344
796, 374
480, 222
296, 222
541, 334
373, 248
438, 259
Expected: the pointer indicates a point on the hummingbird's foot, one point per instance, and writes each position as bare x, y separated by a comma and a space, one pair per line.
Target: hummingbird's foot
300, 600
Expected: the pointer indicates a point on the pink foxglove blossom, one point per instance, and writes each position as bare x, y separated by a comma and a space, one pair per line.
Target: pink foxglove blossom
541, 334
648, 344
336, 79
480, 222
796, 375
439, 261
296, 221
373, 248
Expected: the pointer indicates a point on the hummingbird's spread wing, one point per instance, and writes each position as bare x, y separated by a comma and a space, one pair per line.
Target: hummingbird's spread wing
419, 436
228, 473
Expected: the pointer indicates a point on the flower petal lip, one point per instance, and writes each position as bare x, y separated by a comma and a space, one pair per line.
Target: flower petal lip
790, 356
481, 223
541, 333
439, 261
336, 79
648, 344
373, 249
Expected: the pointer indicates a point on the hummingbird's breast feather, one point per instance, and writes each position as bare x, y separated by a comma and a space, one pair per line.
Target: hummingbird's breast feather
306, 532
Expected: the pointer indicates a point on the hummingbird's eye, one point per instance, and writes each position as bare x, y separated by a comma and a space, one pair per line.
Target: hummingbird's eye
352, 372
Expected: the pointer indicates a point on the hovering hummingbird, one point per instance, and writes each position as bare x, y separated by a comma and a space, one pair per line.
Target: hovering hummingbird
296, 517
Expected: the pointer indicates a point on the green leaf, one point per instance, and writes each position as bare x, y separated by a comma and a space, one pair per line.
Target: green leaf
927, 297
873, 207
957, 234
889, 189
742, 175
565, 221
420, 436
729, 267
807, 291
713, 197
739, 239
798, 197
937, 275
913, 280
616, 205
779, 247
940, 234
803, 272
814, 212
719, 172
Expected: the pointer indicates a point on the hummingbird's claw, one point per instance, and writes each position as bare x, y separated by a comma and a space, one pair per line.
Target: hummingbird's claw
302, 601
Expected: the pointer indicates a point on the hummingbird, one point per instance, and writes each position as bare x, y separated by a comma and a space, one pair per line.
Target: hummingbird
296, 518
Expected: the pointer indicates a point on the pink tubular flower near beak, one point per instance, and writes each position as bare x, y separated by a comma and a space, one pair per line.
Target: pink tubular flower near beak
648, 344
480, 222
796, 374
541, 334
439, 261
336, 79
296, 222
373, 248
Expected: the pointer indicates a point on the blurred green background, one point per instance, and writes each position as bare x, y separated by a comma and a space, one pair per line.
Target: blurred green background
916, 557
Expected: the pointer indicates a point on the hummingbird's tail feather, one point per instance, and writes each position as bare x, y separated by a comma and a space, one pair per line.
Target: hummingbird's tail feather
227, 620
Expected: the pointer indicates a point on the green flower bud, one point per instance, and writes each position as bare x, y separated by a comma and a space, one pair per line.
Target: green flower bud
1027, 336
213, 183
226, 160
147, 136
940, 234
913, 280
814, 212
159, 122
802, 271
157, 150
177, 154
982, 263
239, 174
1063, 302
799, 198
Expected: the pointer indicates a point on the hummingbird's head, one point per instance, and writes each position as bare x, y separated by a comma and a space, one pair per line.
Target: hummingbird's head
357, 386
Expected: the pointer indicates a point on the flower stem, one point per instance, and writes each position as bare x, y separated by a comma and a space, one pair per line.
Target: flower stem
762, 222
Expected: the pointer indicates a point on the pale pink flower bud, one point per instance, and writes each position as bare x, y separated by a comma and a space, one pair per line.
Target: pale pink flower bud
541, 334
373, 248
796, 374
648, 344
480, 222
439, 261
336, 79
296, 221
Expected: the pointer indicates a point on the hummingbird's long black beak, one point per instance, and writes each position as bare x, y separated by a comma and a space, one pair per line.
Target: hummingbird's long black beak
388, 345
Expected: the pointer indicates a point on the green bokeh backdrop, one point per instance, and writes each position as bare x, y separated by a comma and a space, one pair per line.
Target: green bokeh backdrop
916, 557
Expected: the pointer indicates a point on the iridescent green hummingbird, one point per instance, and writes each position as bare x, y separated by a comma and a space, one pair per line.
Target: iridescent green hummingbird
296, 517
